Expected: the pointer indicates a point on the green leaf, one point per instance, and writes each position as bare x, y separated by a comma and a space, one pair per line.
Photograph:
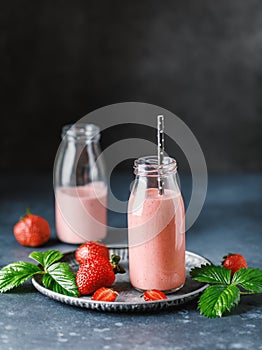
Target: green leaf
60, 279
37, 256
48, 281
46, 258
217, 299
16, 274
250, 279
51, 256
211, 274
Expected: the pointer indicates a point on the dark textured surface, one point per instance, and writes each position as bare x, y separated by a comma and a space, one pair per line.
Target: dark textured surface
198, 59
230, 221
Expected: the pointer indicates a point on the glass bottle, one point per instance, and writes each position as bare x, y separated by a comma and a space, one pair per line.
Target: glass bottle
156, 227
80, 185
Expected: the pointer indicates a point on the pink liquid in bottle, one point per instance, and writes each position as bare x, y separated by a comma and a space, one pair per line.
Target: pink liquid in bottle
81, 213
156, 240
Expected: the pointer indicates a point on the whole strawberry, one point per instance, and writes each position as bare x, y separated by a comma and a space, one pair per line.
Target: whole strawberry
88, 248
94, 273
234, 262
32, 230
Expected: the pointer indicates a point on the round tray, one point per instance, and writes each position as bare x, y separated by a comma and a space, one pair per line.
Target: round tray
130, 299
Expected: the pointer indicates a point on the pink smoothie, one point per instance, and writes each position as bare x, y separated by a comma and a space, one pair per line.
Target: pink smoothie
81, 213
156, 236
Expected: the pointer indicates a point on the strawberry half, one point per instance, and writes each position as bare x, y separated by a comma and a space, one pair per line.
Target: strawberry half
154, 294
88, 248
105, 294
234, 262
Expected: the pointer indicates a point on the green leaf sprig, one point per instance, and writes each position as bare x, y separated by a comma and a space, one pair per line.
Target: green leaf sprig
56, 275
224, 291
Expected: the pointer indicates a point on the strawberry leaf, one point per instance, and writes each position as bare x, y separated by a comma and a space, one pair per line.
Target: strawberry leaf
38, 257
60, 279
46, 258
56, 275
51, 256
250, 279
48, 281
15, 274
211, 274
217, 299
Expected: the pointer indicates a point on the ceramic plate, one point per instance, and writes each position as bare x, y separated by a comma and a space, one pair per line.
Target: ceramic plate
129, 299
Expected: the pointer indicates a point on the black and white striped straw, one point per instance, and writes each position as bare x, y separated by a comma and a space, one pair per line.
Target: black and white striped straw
160, 152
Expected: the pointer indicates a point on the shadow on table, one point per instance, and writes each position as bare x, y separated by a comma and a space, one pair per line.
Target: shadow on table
247, 303
26, 288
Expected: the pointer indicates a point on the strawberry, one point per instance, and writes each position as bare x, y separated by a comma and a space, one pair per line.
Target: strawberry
32, 230
97, 271
234, 262
89, 248
105, 294
154, 294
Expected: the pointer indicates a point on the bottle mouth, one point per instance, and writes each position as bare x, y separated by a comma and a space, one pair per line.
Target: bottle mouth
148, 166
81, 131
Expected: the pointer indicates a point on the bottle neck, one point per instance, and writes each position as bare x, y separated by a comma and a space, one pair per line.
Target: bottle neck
81, 132
148, 166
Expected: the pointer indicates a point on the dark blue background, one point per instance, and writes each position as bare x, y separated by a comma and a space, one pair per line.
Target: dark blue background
199, 59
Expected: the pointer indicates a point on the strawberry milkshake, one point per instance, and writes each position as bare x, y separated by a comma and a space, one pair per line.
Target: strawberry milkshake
156, 230
81, 213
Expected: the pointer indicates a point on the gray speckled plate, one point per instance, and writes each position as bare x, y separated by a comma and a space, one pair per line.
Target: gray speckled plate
129, 299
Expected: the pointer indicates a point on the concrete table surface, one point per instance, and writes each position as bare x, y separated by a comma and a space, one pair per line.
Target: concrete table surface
231, 221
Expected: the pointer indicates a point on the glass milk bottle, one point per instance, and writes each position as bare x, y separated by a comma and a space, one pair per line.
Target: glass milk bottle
156, 228
80, 186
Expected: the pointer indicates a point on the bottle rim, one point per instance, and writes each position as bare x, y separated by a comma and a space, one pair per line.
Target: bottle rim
148, 166
81, 131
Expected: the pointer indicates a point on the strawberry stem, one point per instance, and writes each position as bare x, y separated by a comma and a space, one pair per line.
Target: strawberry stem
115, 264
28, 212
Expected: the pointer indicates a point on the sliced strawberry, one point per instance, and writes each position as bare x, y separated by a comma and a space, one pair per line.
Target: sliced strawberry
154, 294
105, 294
